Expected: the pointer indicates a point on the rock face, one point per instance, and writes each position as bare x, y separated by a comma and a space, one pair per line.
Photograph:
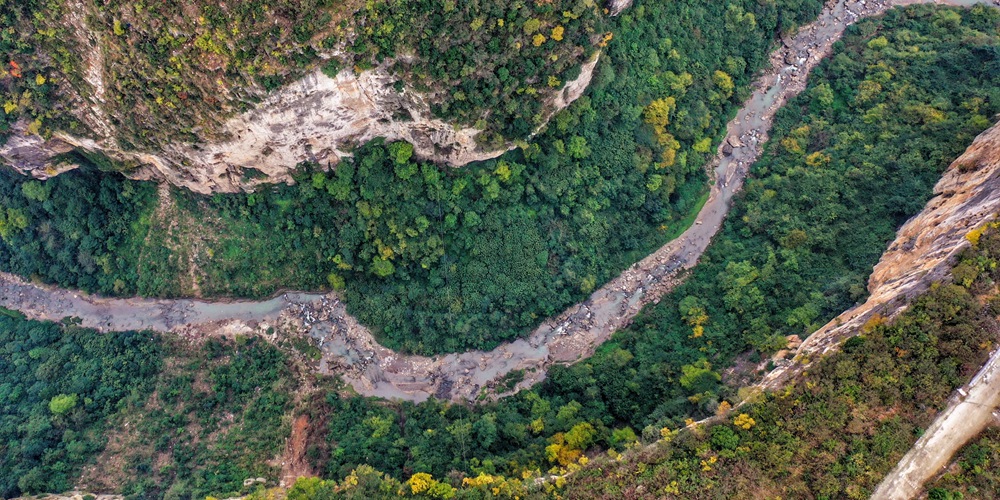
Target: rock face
616, 7
317, 118
31, 153
966, 197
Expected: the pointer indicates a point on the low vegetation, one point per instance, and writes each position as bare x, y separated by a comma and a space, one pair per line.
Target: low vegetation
174, 70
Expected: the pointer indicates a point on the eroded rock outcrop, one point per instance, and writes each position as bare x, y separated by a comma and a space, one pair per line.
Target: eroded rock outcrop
316, 118
616, 7
72, 495
966, 197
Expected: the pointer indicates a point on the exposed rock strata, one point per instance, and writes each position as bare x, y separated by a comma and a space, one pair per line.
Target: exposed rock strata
616, 7
317, 118
966, 197
72, 495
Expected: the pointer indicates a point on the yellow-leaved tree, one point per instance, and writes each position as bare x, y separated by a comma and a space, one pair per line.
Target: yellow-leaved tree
657, 115
744, 421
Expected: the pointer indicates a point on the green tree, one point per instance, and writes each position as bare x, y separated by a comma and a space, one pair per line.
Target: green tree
401, 152
382, 267
36, 191
62, 404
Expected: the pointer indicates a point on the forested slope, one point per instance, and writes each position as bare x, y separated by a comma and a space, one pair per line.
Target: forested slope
841, 427
860, 148
138, 413
974, 471
160, 72
60, 385
438, 259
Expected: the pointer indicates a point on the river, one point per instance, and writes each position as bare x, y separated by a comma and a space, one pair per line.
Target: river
351, 351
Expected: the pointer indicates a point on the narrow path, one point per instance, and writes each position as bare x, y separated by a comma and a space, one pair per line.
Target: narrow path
350, 349
970, 410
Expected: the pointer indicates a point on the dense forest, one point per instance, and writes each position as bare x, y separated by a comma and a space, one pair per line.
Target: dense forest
195, 419
657, 373
78, 230
59, 385
790, 255
481, 58
428, 257
175, 70
601, 187
140, 413
846, 423
834, 433
444, 260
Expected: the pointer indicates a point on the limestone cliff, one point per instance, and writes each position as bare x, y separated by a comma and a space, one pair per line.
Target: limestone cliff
316, 118
966, 197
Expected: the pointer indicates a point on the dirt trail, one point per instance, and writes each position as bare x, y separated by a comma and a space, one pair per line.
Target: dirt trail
350, 349
970, 410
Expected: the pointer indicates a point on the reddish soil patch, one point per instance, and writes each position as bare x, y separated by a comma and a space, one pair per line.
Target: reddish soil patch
295, 464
